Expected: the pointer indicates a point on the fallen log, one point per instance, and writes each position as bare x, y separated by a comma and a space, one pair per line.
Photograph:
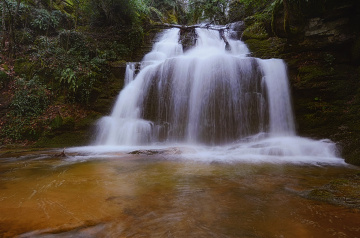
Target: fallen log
184, 29
206, 26
222, 36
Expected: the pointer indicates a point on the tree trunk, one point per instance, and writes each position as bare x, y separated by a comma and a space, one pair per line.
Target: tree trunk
222, 36
11, 34
286, 16
3, 25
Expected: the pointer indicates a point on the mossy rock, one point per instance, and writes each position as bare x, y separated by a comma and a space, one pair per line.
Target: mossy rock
56, 123
88, 121
255, 31
67, 139
266, 48
321, 194
117, 64
24, 67
338, 183
103, 105
350, 148
62, 124
343, 191
314, 72
68, 123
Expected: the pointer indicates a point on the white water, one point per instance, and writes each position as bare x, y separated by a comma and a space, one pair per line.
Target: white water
226, 104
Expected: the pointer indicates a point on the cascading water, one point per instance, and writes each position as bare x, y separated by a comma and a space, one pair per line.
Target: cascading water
207, 96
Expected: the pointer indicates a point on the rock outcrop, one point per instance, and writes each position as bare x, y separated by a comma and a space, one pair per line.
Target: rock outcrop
322, 50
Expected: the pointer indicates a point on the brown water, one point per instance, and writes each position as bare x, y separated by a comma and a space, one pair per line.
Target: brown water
152, 196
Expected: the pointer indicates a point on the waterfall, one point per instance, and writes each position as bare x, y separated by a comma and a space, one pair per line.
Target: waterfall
209, 96
205, 95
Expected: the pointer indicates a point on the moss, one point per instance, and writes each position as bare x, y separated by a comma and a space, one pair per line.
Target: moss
268, 48
350, 149
62, 124
343, 191
56, 123
67, 139
255, 31
5, 67
103, 105
321, 194
338, 183
88, 121
25, 67
312, 72
68, 123
119, 63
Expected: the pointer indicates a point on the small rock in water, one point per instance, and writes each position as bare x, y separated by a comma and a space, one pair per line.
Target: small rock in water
168, 151
62, 154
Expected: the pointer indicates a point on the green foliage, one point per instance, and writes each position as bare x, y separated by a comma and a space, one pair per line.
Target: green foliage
4, 79
17, 128
31, 97
44, 20
30, 100
71, 39
25, 36
68, 76
209, 10
23, 12
255, 31
241, 9
117, 12
170, 11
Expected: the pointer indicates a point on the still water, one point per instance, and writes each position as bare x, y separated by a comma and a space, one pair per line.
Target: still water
117, 194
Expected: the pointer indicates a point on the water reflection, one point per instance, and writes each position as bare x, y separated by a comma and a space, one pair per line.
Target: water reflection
152, 196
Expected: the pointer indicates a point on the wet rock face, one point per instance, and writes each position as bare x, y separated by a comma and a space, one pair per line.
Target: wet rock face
325, 32
187, 38
317, 23
237, 28
322, 51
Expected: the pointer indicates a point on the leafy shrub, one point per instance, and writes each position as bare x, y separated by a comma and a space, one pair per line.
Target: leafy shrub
116, 12
25, 36
22, 128
24, 12
4, 79
29, 101
68, 76
44, 20
30, 98
71, 39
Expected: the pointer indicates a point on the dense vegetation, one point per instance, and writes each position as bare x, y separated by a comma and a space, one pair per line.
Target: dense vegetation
59, 59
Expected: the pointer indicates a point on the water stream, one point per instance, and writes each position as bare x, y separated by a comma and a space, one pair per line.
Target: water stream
120, 195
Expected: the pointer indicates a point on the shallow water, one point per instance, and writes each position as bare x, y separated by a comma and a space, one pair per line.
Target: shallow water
121, 195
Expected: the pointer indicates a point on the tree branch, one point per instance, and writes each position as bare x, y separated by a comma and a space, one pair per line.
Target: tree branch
221, 30
207, 26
